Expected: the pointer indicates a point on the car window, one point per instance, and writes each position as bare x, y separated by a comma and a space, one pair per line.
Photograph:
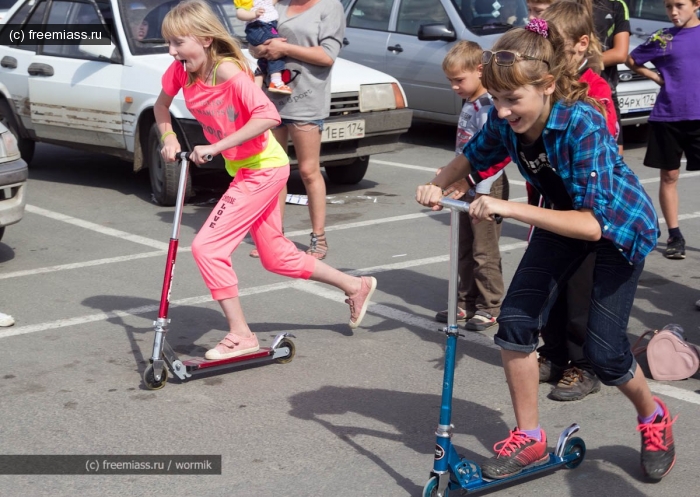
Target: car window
500, 15
371, 14
32, 12
414, 13
646, 9
70, 13
142, 22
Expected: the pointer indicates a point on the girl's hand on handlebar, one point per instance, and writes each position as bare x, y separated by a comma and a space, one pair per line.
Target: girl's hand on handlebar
429, 195
486, 208
170, 149
203, 153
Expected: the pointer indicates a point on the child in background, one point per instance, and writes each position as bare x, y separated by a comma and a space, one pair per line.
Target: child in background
236, 117
261, 25
561, 357
544, 120
611, 19
480, 277
535, 8
675, 118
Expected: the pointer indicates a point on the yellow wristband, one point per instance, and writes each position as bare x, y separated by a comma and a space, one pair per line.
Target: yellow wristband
430, 183
162, 137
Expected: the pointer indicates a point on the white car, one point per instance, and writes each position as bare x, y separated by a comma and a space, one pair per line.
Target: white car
99, 97
13, 181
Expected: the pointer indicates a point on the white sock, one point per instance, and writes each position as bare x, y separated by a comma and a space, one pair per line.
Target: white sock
276, 79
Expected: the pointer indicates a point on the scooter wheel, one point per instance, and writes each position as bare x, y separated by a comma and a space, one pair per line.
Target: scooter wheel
150, 380
288, 358
430, 489
573, 446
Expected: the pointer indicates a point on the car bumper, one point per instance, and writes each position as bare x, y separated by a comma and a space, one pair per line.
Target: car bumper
382, 132
13, 183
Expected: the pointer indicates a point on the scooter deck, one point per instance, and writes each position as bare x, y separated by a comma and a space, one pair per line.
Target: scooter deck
201, 363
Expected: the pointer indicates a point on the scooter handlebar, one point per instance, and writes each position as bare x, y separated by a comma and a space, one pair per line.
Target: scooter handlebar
186, 155
461, 206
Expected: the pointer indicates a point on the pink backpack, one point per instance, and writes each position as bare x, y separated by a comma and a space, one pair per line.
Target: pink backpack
669, 356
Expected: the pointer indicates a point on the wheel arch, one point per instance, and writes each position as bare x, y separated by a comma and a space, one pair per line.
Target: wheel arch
143, 129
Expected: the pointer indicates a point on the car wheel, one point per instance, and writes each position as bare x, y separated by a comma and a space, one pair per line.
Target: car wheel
25, 145
350, 174
165, 176
2, 232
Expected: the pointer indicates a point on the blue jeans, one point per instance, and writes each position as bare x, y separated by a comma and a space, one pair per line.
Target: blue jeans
547, 265
257, 33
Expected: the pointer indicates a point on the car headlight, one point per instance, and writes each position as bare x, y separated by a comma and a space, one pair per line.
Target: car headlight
9, 145
384, 96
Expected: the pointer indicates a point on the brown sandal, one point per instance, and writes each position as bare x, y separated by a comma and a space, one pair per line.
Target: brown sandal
318, 247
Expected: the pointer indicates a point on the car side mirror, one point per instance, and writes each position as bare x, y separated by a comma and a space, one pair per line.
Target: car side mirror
437, 31
102, 52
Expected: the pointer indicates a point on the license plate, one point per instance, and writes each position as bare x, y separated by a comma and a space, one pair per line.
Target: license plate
344, 130
639, 102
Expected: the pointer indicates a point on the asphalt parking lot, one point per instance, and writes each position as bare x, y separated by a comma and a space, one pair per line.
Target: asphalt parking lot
354, 413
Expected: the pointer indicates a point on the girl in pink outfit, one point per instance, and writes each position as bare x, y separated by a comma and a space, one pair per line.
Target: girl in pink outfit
236, 117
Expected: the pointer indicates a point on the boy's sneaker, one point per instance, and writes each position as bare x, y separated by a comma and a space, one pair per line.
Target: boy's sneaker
515, 453
282, 88
548, 370
575, 384
658, 449
675, 248
233, 346
358, 303
697, 305
481, 321
462, 316
6, 320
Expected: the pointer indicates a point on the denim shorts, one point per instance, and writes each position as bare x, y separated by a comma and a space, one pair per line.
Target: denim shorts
549, 261
301, 122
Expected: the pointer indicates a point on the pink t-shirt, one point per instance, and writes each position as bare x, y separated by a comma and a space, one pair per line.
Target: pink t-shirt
224, 109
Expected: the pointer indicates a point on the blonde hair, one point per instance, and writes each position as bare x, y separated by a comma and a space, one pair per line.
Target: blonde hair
195, 18
562, 70
464, 55
574, 19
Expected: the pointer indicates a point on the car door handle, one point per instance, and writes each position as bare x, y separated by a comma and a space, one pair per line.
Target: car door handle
36, 69
346, 42
395, 48
9, 62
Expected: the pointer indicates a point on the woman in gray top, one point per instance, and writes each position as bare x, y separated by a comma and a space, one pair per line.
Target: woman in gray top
311, 35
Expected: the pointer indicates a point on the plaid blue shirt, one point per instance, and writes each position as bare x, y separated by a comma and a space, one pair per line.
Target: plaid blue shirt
584, 154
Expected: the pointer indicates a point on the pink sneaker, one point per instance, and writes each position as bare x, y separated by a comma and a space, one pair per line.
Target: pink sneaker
358, 303
233, 346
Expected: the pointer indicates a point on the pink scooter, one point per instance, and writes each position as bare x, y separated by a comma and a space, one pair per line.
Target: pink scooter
164, 357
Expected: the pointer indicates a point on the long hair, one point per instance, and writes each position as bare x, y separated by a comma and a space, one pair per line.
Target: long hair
573, 20
562, 70
195, 18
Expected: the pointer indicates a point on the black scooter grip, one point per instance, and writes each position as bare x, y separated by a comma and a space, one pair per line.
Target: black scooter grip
498, 218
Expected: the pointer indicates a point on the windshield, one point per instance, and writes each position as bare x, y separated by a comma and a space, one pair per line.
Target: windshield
492, 15
142, 21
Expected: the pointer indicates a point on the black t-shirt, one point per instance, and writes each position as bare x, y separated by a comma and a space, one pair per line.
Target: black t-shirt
533, 157
610, 17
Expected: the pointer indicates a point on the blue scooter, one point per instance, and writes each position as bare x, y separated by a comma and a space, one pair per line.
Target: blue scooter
452, 472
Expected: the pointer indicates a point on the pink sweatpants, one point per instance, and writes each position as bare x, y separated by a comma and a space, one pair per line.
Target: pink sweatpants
250, 204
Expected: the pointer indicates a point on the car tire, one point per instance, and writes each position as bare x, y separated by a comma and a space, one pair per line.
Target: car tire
25, 145
165, 176
350, 174
2, 231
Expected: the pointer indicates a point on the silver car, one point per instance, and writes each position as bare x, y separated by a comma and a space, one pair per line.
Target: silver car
408, 39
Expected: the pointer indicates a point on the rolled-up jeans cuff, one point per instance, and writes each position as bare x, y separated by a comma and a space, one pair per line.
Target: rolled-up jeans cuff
624, 378
514, 347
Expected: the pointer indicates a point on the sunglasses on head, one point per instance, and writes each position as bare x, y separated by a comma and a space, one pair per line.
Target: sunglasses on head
506, 57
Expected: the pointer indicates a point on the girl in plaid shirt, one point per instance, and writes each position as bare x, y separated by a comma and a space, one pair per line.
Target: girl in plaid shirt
544, 120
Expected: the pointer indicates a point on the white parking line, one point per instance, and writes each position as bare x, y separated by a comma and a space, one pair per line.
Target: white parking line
430, 169
319, 290
96, 227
